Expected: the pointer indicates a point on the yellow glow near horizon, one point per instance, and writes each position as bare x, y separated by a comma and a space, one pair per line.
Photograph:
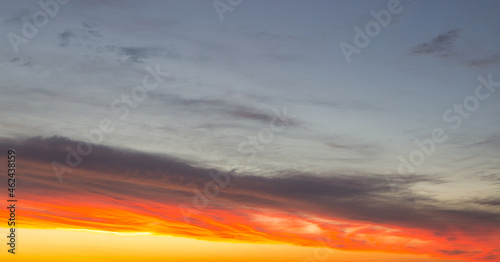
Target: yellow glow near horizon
108, 232
94, 245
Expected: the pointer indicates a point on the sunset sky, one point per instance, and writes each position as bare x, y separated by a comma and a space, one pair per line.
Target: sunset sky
252, 130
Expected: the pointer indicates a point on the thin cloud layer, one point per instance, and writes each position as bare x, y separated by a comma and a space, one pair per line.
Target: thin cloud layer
484, 62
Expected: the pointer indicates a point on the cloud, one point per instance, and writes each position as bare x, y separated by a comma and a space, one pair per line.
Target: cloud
489, 257
88, 25
453, 252
21, 62
65, 37
326, 191
252, 114
78, 36
88, 35
492, 140
138, 54
115, 189
217, 106
352, 145
488, 202
442, 45
483, 62
492, 178
134, 54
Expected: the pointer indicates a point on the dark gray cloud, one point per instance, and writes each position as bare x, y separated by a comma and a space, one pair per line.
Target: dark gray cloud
146, 177
442, 45
488, 202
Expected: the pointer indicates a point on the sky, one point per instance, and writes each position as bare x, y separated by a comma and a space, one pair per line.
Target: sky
252, 130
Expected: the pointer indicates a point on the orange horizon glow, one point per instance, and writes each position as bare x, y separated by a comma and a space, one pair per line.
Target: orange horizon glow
95, 212
279, 228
